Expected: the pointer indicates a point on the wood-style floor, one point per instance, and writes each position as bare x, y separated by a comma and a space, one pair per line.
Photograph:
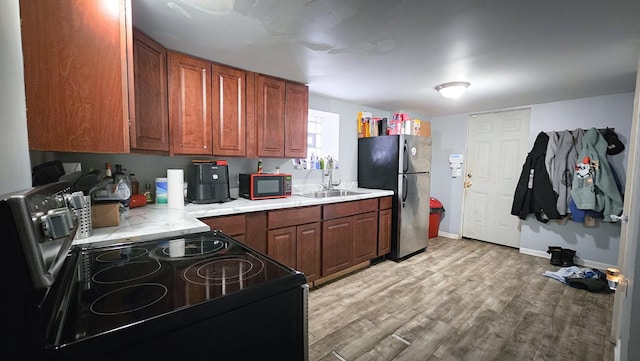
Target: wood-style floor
459, 300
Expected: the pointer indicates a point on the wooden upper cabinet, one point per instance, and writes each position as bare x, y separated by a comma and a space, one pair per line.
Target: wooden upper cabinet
149, 129
281, 118
77, 63
189, 105
229, 113
270, 114
295, 120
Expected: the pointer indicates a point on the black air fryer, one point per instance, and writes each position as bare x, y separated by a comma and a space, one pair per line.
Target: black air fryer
208, 183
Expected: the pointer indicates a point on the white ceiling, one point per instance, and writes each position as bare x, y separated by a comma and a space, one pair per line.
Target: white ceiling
390, 54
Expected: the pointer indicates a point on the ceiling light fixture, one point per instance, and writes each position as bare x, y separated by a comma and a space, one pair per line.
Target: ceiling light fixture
452, 90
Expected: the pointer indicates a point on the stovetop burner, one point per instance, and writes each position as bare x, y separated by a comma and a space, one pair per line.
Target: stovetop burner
128, 299
224, 271
123, 254
178, 249
126, 271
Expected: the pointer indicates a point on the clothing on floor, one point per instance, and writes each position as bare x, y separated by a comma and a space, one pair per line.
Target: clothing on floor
589, 279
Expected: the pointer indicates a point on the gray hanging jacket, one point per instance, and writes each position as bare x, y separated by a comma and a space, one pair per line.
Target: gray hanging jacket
594, 186
558, 149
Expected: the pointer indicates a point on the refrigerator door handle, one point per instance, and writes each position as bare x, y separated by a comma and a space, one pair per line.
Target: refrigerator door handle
405, 183
405, 158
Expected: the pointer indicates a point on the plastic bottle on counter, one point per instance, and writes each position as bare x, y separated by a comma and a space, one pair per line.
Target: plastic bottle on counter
107, 170
135, 185
122, 186
313, 161
148, 193
260, 166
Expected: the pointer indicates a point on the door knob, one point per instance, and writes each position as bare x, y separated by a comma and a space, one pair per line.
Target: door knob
467, 184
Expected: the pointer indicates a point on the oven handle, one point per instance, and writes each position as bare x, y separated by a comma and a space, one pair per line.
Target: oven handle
64, 250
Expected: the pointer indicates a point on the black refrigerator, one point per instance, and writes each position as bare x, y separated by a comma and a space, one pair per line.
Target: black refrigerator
401, 163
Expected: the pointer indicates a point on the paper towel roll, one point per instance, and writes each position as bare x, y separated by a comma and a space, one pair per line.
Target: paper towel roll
175, 188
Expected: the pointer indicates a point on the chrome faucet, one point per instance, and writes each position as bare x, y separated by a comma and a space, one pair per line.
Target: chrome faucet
328, 171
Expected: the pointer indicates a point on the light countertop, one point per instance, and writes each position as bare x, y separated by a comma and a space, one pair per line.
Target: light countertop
155, 221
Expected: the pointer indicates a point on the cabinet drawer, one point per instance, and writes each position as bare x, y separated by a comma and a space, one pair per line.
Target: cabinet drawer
293, 217
344, 209
231, 225
385, 202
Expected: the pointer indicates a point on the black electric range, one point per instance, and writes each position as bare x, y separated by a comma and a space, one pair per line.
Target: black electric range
198, 294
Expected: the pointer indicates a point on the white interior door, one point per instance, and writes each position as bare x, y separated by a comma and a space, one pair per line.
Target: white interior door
497, 147
623, 327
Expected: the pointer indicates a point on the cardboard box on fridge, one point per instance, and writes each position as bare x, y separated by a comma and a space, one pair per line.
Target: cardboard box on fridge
425, 128
105, 214
363, 124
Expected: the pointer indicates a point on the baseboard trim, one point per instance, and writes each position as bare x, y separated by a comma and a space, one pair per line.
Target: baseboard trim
448, 235
578, 261
340, 274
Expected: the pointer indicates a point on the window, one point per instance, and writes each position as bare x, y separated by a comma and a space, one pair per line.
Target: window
322, 134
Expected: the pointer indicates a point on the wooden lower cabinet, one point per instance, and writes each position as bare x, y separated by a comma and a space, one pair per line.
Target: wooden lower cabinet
308, 250
256, 236
233, 226
384, 225
365, 242
384, 232
348, 241
293, 238
337, 250
281, 245
297, 247
318, 240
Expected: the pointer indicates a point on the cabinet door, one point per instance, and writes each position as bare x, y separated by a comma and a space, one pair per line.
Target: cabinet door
76, 71
189, 105
365, 242
281, 245
270, 116
308, 250
337, 244
229, 121
256, 236
252, 116
295, 120
384, 232
231, 225
150, 127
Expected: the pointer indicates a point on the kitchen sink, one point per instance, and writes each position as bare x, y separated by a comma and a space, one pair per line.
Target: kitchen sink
329, 193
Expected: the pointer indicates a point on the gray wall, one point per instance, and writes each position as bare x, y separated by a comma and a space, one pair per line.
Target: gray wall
598, 244
14, 154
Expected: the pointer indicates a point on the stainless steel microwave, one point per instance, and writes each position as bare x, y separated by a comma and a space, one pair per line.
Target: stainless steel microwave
264, 185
